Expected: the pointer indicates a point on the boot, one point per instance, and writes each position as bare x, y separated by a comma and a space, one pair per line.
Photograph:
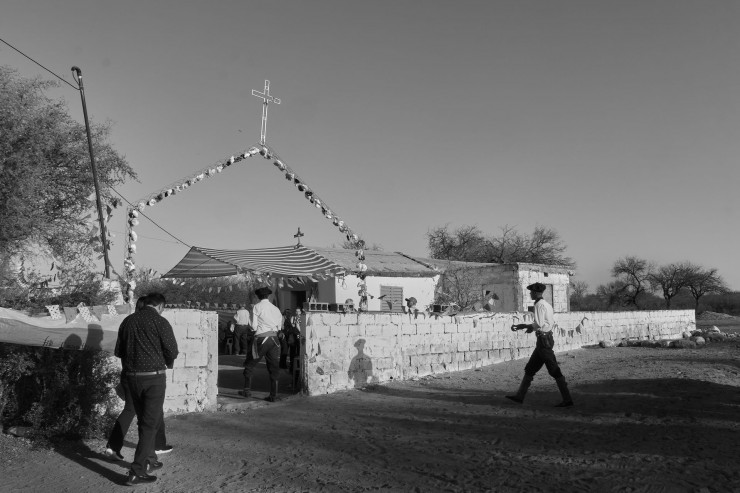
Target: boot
273, 391
523, 387
247, 392
564, 392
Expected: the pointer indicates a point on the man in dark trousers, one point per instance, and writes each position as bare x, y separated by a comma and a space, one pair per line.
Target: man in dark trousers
543, 353
146, 345
267, 321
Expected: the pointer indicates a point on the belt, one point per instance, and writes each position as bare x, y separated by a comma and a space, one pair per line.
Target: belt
145, 373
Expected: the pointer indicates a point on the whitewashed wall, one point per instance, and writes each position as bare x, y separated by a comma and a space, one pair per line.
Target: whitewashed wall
345, 351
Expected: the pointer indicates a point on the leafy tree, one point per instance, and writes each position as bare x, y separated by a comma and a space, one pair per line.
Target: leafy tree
670, 280
633, 276
45, 165
701, 281
578, 291
469, 244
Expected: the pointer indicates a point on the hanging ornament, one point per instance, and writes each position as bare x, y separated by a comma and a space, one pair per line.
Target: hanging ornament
290, 176
317, 203
301, 186
361, 267
141, 206
132, 248
133, 222
132, 235
152, 201
220, 168
336, 221
133, 213
279, 164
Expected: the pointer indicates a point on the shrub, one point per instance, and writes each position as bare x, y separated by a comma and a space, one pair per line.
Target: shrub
69, 392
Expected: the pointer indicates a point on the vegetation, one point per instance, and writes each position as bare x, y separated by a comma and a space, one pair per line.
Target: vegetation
57, 392
470, 244
47, 182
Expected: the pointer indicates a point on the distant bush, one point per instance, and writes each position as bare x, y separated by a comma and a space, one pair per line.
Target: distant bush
57, 392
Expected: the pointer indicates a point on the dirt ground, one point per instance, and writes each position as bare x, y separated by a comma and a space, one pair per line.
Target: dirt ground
645, 420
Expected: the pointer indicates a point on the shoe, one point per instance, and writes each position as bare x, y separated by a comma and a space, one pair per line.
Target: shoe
112, 454
153, 466
164, 450
134, 479
515, 398
564, 404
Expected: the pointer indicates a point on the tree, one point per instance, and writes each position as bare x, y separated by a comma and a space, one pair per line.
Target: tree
702, 281
469, 244
633, 275
46, 176
612, 294
578, 291
670, 280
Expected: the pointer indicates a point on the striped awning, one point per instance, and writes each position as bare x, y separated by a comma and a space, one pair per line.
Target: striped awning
289, 261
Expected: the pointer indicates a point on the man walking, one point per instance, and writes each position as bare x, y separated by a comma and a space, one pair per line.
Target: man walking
543, 353
266, 322
146, 345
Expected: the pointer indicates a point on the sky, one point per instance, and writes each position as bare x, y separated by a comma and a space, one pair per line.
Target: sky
616, 123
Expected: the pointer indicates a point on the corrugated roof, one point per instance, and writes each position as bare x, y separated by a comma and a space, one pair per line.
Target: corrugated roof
379, 263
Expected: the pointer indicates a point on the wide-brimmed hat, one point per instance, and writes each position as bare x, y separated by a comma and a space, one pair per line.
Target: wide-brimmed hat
537, 287
263, 291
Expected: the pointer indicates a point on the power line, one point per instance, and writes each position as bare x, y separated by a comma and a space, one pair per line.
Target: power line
37, 63
150, 219
116, 191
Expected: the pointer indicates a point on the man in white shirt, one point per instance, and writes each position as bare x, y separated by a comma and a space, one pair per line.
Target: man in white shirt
543, 353
241, 331
266, 320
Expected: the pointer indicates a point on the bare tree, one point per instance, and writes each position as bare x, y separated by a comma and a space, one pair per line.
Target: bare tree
469, 244
633, 276
612, 294
670, 280
578, 289
702, 281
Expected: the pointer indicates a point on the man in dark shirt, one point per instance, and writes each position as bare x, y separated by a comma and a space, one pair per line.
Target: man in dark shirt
146, 345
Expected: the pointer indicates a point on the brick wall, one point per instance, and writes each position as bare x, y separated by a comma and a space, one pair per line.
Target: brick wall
345, 351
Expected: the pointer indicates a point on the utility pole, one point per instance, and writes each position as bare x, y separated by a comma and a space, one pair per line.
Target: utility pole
77, 74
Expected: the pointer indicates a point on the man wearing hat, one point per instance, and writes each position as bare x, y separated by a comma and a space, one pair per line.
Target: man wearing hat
543, 353
266, 321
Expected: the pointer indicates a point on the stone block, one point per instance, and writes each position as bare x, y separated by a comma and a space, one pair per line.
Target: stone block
196, 359
320, 332
450, 328
389, 330
185, 375
408, 328
463, 346
373, 330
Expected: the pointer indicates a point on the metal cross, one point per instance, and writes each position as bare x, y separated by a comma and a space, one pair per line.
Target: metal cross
298, 235
266, 98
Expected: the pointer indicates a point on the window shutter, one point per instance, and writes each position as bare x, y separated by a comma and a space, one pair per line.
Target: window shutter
392, 300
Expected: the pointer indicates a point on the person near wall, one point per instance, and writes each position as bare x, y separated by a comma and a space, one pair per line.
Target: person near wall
291, 340
241, 331
147, 347
267, 321
543, 353
115, 440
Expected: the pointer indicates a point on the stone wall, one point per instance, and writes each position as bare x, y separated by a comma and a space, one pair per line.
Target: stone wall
192, 382
345, 351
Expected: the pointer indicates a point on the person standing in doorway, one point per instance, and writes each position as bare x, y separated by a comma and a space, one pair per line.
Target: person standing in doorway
266, 321
147, 347
543, 352
241, 331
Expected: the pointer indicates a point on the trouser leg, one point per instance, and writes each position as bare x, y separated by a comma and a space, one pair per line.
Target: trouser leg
564, 392
522, 391
272, 360
160, 440
150, 391
118, 433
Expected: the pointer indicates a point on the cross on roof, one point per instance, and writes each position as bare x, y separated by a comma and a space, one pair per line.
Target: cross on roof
266, 99
298, 235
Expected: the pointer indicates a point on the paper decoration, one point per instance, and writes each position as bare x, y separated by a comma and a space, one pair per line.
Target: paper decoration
99, 311
54, 312
70, 313
85, 312
112, 310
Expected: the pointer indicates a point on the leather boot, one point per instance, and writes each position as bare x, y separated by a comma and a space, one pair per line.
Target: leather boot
523, 387
564, 392
247, 392
273, 391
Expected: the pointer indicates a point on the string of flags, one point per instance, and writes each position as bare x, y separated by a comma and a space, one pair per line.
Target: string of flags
210, 171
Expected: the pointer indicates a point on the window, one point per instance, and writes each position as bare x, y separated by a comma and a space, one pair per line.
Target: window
391, 299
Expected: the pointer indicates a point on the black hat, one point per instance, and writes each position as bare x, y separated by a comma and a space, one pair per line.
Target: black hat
263, 292
411, 300
537, 287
